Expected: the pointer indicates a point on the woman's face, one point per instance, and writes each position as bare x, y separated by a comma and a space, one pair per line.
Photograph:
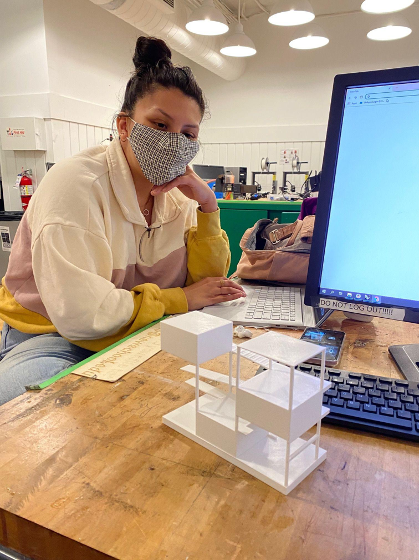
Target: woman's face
163, 109
170, 110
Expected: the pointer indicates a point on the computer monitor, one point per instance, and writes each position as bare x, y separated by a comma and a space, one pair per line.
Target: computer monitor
365, 252
209, 172
365, 249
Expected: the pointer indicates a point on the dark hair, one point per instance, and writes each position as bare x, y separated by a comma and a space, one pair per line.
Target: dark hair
154, 68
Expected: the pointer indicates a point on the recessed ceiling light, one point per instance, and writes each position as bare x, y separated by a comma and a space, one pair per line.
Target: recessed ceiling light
385, 6
291, 12
207, 20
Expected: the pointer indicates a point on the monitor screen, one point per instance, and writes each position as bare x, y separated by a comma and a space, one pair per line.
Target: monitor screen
368, 249
209, 172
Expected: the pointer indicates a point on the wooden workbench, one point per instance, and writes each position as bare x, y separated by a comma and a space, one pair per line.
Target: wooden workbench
89, 472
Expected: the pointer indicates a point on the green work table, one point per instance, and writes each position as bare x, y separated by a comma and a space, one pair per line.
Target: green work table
238, 215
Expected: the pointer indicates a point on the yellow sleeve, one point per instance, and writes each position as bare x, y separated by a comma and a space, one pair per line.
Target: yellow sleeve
207, 248
150, 303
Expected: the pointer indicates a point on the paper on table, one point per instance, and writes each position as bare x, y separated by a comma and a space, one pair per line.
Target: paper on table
115, 363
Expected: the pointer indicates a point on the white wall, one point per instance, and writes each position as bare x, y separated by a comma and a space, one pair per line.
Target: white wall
89, 60
23, 59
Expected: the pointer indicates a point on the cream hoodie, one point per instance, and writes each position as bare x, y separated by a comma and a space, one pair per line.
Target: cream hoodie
85, 263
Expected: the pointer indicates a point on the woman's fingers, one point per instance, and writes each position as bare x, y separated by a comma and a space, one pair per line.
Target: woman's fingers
177, 182
231, 284
212, 290
160, 189
192, 187
182, 180
225, 284
231, 290
226, 297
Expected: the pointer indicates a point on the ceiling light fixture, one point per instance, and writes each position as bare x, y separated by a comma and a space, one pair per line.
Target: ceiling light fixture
207, 20
392, 28
389, 33
311, 37
295, 12
237, 43
385, 6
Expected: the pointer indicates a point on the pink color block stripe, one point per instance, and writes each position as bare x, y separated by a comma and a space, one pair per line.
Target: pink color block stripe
19, 278
169, 272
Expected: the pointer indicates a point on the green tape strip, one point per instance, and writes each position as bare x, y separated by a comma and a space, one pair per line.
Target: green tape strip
96, 355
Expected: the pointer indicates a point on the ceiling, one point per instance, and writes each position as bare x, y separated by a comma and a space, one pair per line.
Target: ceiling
250, 8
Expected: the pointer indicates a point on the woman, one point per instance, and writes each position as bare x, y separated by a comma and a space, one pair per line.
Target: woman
114, 238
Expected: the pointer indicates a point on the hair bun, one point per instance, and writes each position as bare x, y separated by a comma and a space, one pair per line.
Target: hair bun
149, 52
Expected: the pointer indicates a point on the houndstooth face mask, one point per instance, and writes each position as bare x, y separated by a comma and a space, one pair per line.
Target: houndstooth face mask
162, 155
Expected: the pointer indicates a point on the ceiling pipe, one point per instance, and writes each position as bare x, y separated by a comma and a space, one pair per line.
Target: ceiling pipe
149, 19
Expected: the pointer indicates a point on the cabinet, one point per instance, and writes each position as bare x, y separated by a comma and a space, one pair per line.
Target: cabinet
238, 215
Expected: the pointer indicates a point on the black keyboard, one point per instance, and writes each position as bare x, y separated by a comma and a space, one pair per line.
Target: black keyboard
373, 404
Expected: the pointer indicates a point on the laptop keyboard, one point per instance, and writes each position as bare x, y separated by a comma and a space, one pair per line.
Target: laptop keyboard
273, 303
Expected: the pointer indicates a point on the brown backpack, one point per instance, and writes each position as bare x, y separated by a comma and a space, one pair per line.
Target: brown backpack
276, 252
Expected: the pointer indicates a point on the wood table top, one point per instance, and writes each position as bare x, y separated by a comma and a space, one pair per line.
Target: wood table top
89, 472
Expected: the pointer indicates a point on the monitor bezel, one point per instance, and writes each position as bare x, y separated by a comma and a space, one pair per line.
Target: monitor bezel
341, 83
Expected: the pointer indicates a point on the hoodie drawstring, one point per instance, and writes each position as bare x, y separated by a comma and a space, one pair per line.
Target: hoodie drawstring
147, 230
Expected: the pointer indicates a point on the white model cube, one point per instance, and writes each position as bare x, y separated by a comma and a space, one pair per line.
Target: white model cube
264, 401
196, 337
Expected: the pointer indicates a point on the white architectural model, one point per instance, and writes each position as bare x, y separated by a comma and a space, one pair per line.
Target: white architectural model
258, 423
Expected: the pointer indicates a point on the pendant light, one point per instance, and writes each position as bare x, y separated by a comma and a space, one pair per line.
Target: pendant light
385, 6
392, 27
207, 20
291, 12
311, 37
237, 43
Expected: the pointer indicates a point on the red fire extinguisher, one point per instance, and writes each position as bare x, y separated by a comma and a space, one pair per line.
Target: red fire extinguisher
26, 188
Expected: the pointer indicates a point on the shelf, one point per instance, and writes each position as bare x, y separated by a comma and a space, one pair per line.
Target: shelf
208, 374
282, 348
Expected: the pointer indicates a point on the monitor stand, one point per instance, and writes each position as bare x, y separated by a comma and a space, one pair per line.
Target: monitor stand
406, 356
358, 316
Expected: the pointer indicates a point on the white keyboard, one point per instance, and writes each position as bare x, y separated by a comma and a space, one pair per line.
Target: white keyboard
273, 303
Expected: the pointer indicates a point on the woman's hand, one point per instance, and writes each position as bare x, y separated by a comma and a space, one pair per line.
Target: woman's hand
192, 186
210, 291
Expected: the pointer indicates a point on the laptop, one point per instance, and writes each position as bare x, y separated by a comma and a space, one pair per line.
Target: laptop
268, 305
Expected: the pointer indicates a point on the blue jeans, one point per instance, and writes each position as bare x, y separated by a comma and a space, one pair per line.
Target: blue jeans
29, 359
